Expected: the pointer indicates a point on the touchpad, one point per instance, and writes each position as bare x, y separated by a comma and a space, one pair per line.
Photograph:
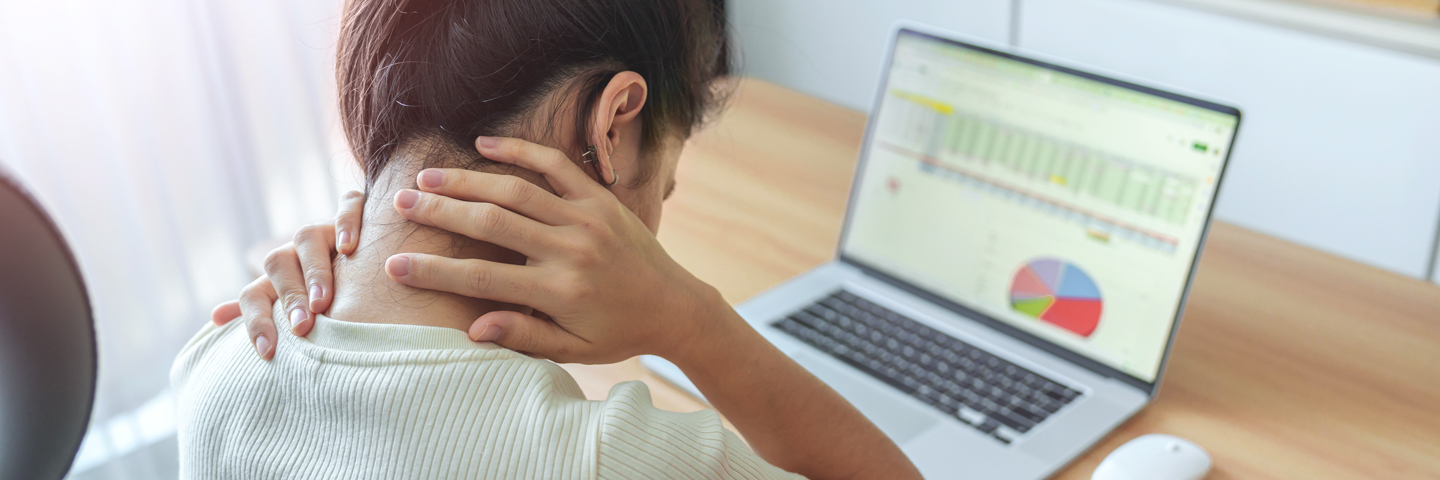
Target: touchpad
882, 405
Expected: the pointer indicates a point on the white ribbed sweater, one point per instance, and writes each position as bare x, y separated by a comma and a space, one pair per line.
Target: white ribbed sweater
372, 401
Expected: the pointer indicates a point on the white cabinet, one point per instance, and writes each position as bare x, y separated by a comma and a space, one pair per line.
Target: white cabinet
832, 48
1339, 148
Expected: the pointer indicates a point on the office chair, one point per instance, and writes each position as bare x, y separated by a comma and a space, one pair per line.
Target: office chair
47, 342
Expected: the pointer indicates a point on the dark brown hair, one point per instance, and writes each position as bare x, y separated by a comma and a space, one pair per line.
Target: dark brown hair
457, 69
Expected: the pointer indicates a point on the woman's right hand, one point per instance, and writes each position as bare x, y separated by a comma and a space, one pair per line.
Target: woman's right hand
298, 278
607, 288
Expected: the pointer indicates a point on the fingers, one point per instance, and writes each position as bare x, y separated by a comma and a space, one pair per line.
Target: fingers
282, 267
501, 282
527, 334
256, 307
486, 222
313, 247
509, 191
225, 312
567, 178
347, 222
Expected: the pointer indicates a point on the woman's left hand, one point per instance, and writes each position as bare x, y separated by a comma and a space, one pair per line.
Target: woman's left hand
288, 271
609, 289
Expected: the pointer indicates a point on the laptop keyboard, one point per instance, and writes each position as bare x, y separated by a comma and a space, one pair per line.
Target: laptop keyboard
984, 391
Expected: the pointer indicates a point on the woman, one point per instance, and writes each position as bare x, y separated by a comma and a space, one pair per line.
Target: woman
542, 223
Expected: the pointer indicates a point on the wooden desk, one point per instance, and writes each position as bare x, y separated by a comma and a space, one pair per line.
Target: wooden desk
1290, 363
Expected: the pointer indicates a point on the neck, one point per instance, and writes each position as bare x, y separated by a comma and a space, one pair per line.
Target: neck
365, 293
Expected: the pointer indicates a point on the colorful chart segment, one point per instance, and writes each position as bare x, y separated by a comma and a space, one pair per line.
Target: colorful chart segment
1058, 293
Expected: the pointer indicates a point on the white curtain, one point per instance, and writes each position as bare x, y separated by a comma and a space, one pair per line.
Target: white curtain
167, 137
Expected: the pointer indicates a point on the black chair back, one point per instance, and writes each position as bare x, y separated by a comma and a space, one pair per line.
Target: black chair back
47, 342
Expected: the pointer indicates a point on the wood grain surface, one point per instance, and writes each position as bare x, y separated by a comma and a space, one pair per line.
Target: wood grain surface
1290, 363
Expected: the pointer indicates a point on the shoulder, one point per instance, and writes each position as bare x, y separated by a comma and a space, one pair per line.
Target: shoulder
629, 410
635, 440
201, 344
629, 416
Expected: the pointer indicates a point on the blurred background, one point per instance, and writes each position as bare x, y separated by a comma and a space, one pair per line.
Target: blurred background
170, 137
167, 137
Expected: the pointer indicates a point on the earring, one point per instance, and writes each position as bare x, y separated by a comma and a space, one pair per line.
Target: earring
592, 158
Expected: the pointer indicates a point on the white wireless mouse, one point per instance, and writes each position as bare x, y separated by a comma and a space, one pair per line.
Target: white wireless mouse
1155, 457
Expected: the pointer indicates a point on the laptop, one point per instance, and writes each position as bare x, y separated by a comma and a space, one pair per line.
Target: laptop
1021, 237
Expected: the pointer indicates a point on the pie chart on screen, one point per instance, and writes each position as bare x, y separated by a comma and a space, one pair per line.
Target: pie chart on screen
1059, 293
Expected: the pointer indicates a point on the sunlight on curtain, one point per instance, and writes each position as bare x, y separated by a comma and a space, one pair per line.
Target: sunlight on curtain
166, 137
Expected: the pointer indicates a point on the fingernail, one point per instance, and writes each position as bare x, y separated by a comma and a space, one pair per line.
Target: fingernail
487, 142
296, 316
262, 345
398, 266
431, 178
345, 239
316, 293
406, 199
491, 333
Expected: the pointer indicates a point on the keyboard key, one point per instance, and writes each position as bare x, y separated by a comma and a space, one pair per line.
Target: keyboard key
1008, 418
971, 416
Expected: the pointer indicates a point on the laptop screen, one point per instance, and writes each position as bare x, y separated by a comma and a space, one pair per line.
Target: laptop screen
1066, 205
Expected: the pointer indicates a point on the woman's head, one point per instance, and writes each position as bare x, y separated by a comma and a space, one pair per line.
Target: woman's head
423, 78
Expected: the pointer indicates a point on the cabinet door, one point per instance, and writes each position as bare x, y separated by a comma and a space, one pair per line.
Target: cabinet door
832, 48
1339, 148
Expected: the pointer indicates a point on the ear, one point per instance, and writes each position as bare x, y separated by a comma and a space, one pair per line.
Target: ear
617, 114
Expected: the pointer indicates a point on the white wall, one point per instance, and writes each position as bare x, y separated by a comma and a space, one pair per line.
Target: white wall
832, 48
1339, 148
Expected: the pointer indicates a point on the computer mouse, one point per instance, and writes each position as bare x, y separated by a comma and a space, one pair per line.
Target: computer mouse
1155, 457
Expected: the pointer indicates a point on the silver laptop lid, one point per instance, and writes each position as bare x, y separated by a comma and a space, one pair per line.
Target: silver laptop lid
1062, 207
